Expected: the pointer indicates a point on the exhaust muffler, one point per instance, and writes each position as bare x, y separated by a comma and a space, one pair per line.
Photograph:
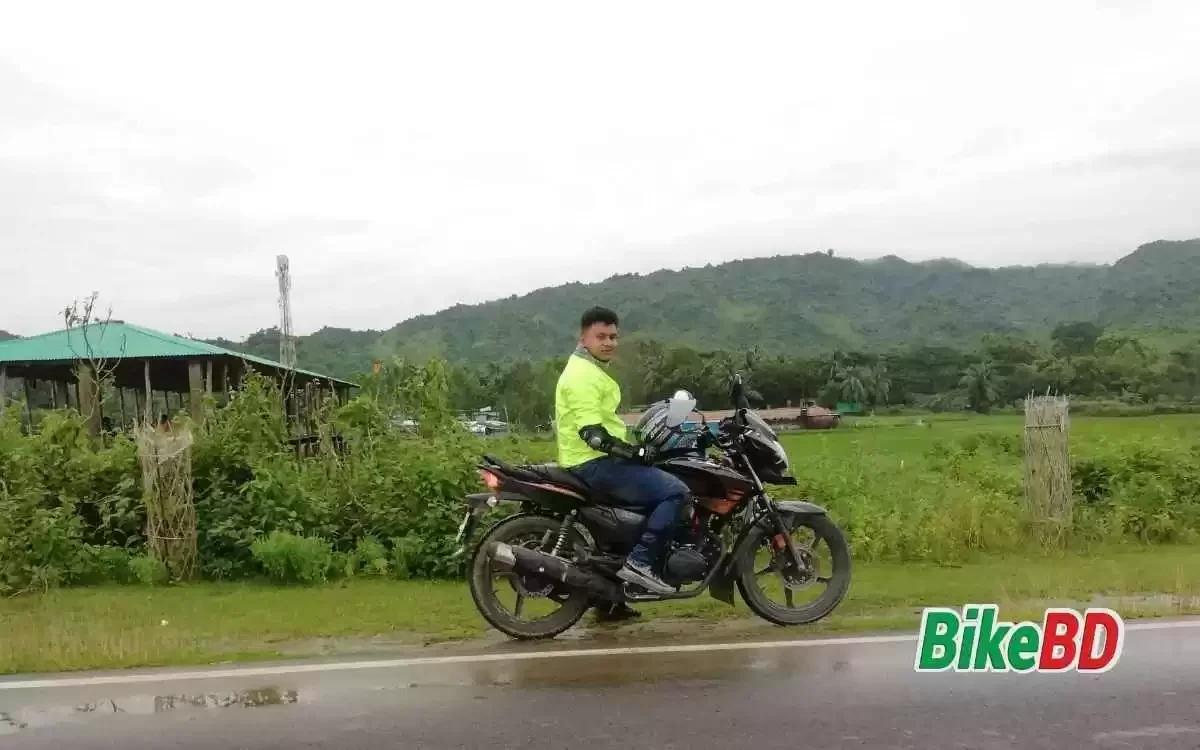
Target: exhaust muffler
531, 562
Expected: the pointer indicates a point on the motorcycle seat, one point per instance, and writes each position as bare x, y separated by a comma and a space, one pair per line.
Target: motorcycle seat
554, 473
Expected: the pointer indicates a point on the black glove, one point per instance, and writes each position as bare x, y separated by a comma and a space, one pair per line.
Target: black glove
599, 439
646, 454
641, 454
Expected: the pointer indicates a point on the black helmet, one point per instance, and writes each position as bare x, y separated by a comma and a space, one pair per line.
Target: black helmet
659, 425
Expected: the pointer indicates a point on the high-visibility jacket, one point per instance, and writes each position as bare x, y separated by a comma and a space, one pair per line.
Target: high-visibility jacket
585, 395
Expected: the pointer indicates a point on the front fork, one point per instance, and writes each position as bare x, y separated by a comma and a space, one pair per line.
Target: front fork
796, 564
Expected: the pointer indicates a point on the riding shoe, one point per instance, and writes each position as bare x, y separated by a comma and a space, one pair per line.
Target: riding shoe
641, 574
615, 612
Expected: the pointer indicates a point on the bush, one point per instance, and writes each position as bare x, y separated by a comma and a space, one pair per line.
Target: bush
149, 570
1148, 490
371, 557
71, 512
288, 558
390, 502
107, 565
50, 483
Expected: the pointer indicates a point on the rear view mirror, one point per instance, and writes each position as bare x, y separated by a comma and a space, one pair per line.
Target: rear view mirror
737, 392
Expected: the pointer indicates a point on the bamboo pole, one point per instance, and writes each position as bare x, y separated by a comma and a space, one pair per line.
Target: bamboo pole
1049, 491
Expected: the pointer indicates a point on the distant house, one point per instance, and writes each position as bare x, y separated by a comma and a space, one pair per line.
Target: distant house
61, 368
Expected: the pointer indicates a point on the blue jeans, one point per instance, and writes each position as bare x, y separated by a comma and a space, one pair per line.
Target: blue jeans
638, 486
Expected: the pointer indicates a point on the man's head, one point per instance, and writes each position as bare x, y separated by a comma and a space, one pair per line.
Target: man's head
598, 333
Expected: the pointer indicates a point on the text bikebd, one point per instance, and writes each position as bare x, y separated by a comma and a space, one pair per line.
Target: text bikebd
976, 641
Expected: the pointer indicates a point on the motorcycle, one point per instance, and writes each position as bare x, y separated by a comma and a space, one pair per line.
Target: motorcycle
565, 542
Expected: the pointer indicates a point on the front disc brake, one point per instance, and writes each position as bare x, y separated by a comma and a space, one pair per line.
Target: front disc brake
785, 566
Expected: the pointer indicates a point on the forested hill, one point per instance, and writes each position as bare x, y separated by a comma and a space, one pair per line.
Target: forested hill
805, 304
5, 336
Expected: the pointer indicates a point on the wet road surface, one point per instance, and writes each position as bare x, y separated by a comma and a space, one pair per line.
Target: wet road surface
826, 694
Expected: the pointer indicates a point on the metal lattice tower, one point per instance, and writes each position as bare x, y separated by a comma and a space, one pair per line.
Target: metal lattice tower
287, 343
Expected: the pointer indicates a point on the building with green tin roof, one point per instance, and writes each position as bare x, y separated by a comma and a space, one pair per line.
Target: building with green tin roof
61, 368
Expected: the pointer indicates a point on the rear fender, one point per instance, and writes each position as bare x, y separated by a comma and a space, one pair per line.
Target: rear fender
534, 503
478, 504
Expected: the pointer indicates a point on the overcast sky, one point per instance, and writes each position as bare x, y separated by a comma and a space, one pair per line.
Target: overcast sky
408, 156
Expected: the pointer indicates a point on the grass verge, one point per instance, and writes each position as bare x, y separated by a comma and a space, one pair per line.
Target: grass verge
112, 627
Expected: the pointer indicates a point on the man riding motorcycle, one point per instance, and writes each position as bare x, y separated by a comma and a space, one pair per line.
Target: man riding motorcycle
590, 445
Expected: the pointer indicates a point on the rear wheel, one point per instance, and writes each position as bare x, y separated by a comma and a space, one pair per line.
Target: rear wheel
519, 605
807, 595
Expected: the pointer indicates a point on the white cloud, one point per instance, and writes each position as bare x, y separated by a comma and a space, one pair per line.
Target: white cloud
410, 156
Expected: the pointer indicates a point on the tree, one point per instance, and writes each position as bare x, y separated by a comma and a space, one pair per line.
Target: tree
1075, 339
1183, 370
880, 384
979, 382
851, 384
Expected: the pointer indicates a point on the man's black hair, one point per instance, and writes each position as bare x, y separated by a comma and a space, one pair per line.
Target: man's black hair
597, 315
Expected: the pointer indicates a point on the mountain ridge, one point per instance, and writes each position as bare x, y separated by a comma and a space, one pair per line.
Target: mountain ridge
792, 303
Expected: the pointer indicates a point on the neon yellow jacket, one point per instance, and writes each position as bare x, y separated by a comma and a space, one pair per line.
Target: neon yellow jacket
585, 395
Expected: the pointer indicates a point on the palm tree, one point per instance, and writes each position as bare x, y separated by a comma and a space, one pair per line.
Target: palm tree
979, 381
881, 385
852, 384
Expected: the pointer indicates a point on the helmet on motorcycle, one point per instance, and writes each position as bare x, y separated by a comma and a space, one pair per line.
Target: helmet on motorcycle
659, 425
652, 427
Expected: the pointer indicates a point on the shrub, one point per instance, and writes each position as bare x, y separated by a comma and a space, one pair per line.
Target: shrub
289, 558
371, 556
149, 570
1148, 490
44, 479
107, 565
389, 504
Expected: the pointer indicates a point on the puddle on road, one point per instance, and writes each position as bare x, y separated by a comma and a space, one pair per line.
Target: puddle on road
243, 698
701, 671
704, 669
48, 715
9, 725
698, 670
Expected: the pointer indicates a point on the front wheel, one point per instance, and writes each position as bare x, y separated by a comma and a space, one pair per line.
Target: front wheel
765, 572
539, 608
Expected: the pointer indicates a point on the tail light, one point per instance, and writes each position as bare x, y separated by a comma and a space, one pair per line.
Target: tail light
490, 479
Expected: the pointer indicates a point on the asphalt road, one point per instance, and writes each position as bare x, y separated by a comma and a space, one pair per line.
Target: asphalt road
844, 694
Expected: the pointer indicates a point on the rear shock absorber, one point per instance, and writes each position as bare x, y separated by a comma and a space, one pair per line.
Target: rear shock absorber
562, 533
691, 520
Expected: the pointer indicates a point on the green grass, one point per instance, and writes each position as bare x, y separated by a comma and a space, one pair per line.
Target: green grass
899, 447
905, 489
913, 434
130, 626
